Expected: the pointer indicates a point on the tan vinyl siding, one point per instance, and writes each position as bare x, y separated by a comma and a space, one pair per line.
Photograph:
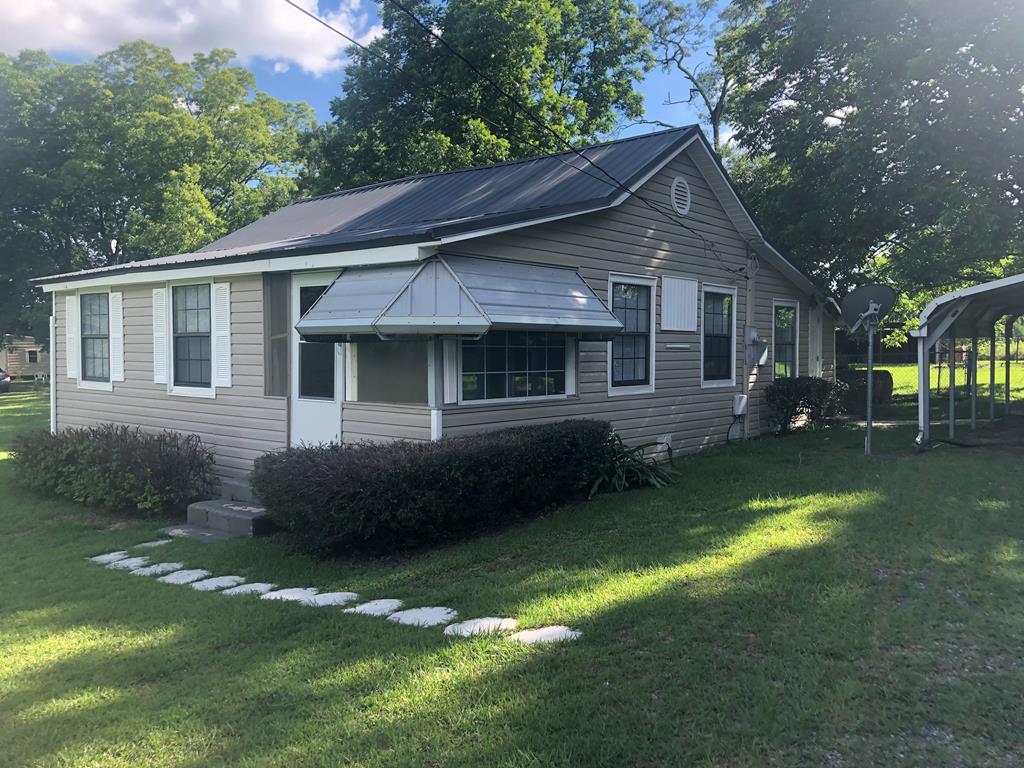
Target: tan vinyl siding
379, 422
239, 424
632, 239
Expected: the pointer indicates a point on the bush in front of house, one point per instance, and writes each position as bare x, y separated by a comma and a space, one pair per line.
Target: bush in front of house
118, 468
385, 497
809, 397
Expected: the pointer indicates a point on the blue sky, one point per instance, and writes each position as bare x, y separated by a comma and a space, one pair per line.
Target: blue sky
292, 56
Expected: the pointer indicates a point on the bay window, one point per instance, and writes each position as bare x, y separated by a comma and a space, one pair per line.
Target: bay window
503, 365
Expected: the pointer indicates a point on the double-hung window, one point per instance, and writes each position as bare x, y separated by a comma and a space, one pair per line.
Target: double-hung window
718, 339
95, 316
190, 312
503, 365
631, 352
785, 320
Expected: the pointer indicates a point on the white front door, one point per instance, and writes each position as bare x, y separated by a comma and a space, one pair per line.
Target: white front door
814, 341
317, 371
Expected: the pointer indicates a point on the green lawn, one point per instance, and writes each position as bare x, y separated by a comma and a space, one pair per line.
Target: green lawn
788, 602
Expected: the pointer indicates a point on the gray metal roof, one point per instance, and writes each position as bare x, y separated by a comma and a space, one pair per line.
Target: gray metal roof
457, 295
973, 311
429, 207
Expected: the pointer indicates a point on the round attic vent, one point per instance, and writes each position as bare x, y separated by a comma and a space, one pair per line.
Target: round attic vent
680, 195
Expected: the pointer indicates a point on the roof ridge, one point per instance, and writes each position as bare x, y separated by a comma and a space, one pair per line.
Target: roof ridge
504, 163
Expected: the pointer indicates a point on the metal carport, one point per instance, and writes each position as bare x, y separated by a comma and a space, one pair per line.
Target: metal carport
967, 313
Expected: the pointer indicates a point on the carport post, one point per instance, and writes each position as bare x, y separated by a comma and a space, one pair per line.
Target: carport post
923, 390
1009, 338
974, 381
952, 385
992, 376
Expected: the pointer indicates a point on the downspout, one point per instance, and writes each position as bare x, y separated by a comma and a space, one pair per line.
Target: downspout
53, 365
749, 366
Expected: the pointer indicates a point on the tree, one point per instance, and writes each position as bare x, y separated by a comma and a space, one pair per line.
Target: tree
573, 62
131, 156
884, 138
685, 38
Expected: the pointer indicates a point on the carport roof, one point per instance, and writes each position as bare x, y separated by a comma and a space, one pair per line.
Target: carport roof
973, 311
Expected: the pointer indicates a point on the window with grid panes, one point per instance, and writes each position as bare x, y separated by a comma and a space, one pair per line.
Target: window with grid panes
631, 304
513, 364
785, 341
192, 348
718, 355
95, 311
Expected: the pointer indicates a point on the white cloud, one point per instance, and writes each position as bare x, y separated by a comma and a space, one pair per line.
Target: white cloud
264, 29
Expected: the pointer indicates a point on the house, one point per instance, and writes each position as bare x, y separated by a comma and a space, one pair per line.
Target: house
23, 358
635, 288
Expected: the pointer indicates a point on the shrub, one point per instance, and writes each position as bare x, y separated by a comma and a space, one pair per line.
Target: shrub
629, 467
384, 497
118, 468
804, 396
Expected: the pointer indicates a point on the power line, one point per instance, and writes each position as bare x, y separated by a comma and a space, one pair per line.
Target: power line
433, 89
708, 245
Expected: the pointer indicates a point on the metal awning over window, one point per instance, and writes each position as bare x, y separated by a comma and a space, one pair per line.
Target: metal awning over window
456, 295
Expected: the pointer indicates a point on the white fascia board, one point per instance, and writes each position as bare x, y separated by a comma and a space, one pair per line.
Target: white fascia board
388, 254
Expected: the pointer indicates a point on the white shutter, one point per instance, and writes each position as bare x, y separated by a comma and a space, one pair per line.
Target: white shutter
71, 338
161, 339
220, 329
116, 318
678, 304
451, 370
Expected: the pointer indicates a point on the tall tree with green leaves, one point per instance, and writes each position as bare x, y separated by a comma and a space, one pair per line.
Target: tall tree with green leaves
575, 63
884, 139
131, 156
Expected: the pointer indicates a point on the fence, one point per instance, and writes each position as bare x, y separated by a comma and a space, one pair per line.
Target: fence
896, 380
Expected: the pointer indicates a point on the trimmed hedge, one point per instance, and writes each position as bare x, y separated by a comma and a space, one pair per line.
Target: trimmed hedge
383, 497
808, 396
118, 468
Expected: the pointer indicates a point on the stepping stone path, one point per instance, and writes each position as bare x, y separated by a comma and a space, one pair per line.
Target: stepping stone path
184, 577
333, 598
376, 607
158, 570
424, 617
545, 635
389, 608
128, 564
110, 557
485, 626
253, 588
217, 582
293, 595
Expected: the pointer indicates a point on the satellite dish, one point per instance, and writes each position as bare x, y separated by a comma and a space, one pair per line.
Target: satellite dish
867, 303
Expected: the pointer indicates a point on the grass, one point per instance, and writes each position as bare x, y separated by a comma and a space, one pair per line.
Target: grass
787, 603
904, 403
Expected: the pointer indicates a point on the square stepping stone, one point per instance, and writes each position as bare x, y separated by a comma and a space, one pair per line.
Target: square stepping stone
217, 582
153, 544
485, 626
293, 595
128, 564
376, 607
110, 557
254, 588
184, 577
333, 598
159, 569
424, 617
554, 634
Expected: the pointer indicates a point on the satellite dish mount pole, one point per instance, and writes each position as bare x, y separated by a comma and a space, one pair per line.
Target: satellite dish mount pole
869, 320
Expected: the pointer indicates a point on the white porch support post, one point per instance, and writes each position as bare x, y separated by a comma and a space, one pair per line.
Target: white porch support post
923, 391
1009, 338
992, 375
974, 381
435, 385
952, 385
53, 367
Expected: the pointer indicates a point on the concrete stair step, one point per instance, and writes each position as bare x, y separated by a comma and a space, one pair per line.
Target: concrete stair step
237, 490
230, 517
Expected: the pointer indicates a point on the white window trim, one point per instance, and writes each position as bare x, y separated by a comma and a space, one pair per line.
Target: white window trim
83, 383
706, 288
795, 304
209, 393
620, 278
571, 357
